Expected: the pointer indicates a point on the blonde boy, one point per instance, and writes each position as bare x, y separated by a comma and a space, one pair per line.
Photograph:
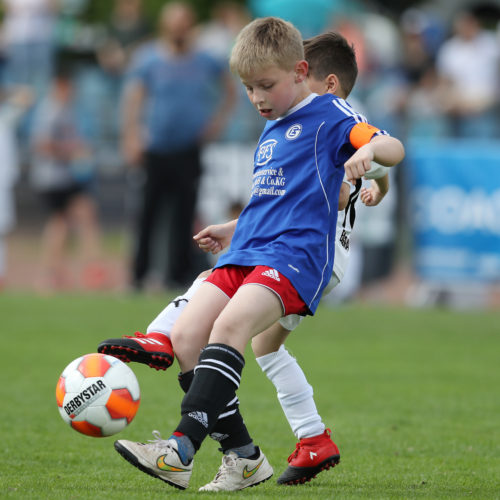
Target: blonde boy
281, 254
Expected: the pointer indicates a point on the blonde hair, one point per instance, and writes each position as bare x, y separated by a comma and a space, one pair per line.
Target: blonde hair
266, 41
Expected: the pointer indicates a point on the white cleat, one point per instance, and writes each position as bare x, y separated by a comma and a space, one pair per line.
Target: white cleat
237, 473
158, 458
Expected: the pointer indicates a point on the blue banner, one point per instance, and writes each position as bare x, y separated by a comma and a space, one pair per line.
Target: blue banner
455, 210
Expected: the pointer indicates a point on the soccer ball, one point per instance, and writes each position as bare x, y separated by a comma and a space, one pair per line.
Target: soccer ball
98, 395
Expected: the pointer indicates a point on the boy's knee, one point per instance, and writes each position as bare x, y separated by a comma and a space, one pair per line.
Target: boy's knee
224, 330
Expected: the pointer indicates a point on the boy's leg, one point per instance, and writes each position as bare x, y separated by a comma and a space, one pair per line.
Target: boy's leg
155, 348
171, 460
315, 451
164, 322
294, 393
252, 309
191, 331
217, 377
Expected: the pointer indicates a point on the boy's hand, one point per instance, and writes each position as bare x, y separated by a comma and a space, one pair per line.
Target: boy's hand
371, 196
215, 238
359, 163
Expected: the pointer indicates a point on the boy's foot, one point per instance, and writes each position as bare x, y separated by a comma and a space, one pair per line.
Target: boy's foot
153, 349
310, 457
158, 458
237, 473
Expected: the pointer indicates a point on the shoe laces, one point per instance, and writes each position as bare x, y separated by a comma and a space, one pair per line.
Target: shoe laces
136, 335
295, 452
299, 445
158, 443
228, 465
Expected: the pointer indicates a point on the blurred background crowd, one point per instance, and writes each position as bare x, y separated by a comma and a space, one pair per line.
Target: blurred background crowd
122, 133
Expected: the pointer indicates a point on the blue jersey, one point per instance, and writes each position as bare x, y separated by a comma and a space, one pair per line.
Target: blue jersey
289, 222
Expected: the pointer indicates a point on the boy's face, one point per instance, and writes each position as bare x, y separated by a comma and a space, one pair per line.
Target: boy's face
273, 91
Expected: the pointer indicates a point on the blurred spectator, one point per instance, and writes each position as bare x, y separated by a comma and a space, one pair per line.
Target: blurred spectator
126, 29
217, 37
421, 96
62, 172
227, 162
171, 109
12, 107
28, 38
468, 66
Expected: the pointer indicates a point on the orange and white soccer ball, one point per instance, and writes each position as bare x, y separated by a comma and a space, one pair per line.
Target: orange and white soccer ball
98, 395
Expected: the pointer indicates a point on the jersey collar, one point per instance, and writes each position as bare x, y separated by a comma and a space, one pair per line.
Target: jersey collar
298, 106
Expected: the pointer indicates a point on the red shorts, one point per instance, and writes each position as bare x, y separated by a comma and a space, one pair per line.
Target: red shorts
229, 278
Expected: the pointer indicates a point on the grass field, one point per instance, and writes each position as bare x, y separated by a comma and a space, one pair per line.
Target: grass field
412, 397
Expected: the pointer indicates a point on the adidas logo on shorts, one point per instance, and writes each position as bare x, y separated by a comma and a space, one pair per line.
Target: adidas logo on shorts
201, 416
272, 273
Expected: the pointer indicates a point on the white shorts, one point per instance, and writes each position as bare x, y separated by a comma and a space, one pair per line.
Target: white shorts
292, 321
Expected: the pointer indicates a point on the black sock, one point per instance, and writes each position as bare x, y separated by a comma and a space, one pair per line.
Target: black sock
216, 378
230, 429
185, 379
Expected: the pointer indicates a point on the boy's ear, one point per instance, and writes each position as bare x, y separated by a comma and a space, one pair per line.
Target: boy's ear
333, 84
301, 69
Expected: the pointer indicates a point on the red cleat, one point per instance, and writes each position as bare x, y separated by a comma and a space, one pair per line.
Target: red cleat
310, 457
153, 349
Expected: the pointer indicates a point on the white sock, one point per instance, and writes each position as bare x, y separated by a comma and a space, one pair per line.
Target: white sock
164, 322
294, 392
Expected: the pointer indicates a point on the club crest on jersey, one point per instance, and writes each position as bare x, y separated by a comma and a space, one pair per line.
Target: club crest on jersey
265, 152
293, 132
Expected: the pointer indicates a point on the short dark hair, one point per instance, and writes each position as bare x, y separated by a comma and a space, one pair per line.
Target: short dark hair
331, 53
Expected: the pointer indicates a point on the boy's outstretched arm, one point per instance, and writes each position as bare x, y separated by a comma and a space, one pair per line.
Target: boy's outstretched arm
382, 149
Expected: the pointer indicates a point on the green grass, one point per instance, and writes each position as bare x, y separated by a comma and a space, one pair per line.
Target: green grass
412, 397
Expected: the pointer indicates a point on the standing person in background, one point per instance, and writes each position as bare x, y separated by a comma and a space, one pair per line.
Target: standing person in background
468, 69
62, 173
12, 107
227, 161
168, 113
126, 30
28, 39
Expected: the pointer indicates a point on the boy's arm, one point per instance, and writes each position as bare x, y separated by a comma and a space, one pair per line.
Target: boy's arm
375, 193
383, 149
133, 102
215, 238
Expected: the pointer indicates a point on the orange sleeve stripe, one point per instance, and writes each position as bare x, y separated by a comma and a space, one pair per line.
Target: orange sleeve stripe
361, 134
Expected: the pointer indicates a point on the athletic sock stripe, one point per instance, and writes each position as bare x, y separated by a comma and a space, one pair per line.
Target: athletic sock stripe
227, 375
233, 401
227, 414
223, 349
232, 407
231, 370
